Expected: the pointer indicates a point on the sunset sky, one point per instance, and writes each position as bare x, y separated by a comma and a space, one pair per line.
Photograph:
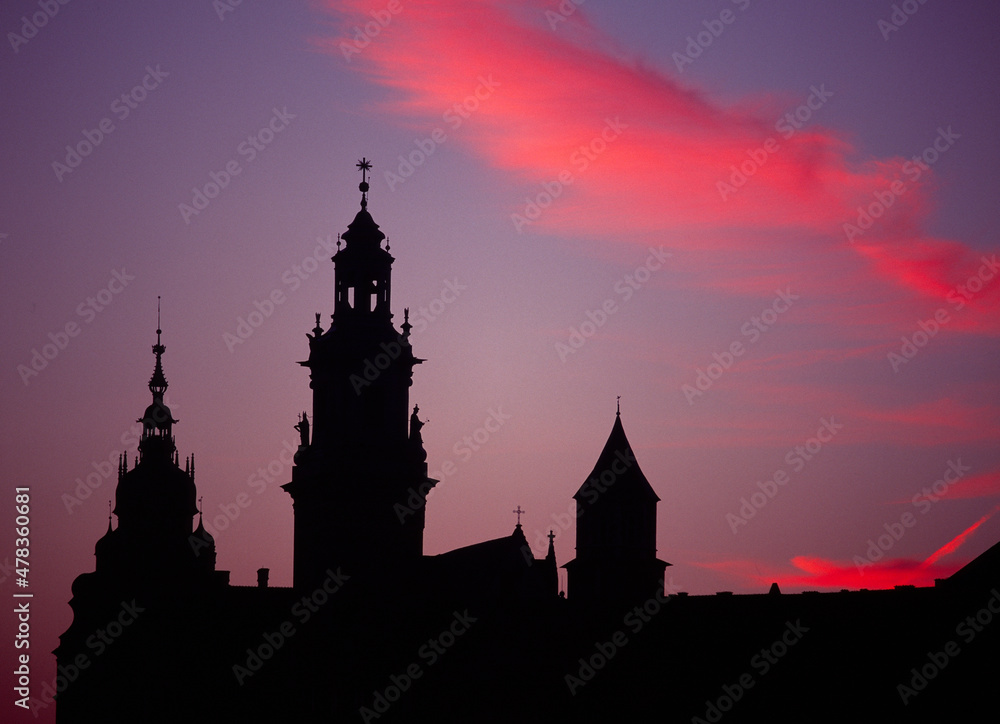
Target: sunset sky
769, 226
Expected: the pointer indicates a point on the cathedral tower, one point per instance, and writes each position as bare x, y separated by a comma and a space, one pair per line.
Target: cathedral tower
148, 563
154, 504
359, 484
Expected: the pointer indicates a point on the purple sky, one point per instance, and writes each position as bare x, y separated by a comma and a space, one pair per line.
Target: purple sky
649, 141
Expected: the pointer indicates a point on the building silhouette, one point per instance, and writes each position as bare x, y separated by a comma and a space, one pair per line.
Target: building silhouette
374, 630
616, 559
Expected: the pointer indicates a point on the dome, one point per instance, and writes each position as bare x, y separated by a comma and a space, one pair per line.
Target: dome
157, 416
106, 543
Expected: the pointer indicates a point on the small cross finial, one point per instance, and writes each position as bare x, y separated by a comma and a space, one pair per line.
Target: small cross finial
519, 512
619, 411
201, 504
552, 536
109, 508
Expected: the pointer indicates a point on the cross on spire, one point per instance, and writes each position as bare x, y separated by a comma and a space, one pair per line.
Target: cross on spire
619, 412
519, 512
365, 165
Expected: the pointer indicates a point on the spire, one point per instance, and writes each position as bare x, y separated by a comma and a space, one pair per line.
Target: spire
362, 267
551, 553
158, 382
616, 468
365, 165
157, 420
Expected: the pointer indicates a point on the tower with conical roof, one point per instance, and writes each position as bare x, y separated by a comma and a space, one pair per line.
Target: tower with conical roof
359, 485
616, 559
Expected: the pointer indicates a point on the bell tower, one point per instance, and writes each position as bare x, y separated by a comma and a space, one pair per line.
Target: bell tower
616, 561
359, 484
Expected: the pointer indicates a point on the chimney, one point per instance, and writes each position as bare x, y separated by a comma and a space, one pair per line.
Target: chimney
262, 577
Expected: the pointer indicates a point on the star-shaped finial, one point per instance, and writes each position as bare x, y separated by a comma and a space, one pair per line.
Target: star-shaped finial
365, 165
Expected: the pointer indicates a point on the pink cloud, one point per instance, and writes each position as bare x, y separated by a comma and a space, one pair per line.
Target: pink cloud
986, 485
812, 572
646, 154
816, 572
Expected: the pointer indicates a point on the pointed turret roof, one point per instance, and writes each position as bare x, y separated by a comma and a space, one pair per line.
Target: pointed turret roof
157, 416
617, 468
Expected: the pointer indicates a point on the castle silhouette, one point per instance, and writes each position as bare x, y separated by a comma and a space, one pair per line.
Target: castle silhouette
374, 630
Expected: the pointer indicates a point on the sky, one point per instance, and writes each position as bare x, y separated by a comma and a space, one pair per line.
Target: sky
768, 226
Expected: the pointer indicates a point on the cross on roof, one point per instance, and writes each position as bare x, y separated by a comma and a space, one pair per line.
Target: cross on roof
519, 513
